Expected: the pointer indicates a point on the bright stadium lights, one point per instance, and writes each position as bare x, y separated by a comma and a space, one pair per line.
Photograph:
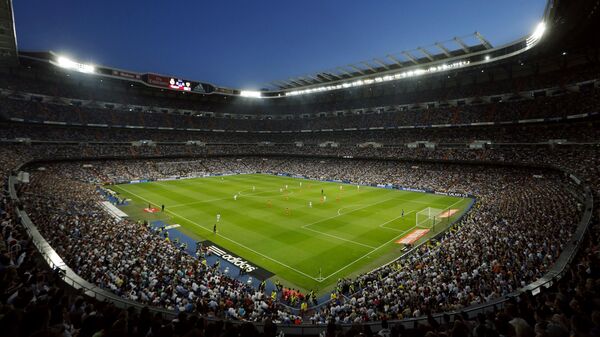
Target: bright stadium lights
537, 34
539, 30
487, 57
67, 63
386, 78
251, 93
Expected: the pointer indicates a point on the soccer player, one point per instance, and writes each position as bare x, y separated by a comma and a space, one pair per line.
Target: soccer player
324, 198
215, 229
162, 207
322, 192
281, 190
300, 184
403, 212
253, 188
218, 217
286, 187
310, 204
235, 197
287, 211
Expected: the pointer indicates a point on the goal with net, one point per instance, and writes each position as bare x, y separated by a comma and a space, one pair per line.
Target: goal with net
428, 217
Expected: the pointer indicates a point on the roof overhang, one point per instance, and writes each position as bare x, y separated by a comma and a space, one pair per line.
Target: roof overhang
8, 37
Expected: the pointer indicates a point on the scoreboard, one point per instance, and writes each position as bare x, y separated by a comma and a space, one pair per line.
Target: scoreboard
178, 84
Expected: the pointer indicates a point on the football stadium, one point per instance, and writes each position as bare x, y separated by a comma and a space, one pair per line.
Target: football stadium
450, 189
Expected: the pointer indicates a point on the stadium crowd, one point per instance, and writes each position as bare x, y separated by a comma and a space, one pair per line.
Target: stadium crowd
513, 234
55, 84
522, 108
584, 131
117, 257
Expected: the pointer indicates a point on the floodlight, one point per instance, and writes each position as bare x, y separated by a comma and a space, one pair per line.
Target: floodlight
64, 62
380, 79
250, 93
539, 31
67, 63
537, 34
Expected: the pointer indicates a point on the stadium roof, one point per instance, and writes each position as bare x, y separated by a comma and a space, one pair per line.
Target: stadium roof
461, 52
8, 38
439, 51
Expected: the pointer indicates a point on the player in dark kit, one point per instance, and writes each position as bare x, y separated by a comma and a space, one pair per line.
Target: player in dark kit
215, 229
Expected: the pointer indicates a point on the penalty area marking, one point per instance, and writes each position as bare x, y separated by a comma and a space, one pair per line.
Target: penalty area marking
367, 254
383, 225
381, 246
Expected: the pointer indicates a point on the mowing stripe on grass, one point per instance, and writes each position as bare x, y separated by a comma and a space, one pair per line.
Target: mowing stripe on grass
335, 216
298, 243
226, 238
381, 246
339, 238
394, 229
367, 254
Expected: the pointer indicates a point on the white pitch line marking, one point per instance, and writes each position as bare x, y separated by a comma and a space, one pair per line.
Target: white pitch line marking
227, 198
339, 238
228, 239
394, 229
335, 216
339, 211
210, 200
367, 254
320, 280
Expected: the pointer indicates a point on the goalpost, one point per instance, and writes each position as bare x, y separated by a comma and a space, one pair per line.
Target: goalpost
428, 217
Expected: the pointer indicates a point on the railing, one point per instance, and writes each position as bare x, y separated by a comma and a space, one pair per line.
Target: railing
556, 272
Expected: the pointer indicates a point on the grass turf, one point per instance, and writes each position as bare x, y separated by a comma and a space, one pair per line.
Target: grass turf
353, 231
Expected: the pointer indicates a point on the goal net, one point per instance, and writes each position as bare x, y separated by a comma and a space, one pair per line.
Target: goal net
428, 217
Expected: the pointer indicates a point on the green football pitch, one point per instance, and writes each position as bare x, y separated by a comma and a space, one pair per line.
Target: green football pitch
352, 231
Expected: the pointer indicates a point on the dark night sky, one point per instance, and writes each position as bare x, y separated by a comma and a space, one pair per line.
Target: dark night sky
246, 43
